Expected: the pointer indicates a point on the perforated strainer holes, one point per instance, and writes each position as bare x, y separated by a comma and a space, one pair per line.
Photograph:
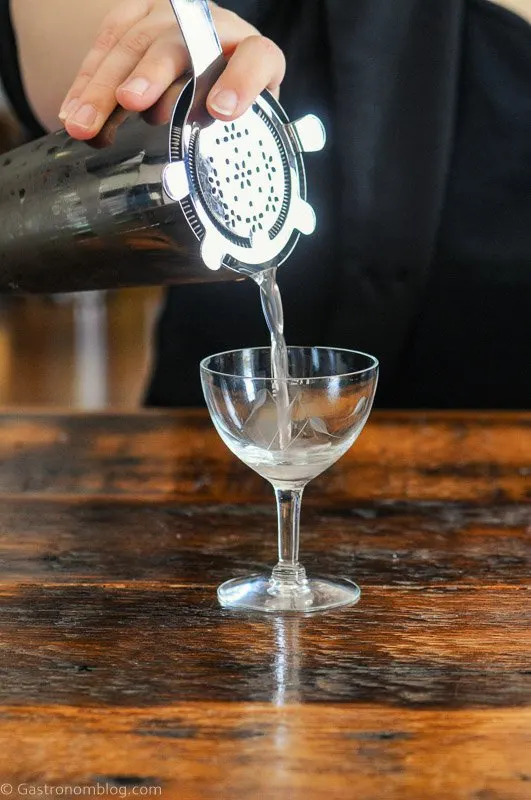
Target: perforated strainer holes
240, 172
240, 166
215, 183
232, 133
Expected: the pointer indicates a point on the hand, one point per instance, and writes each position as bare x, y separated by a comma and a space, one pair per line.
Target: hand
139, 52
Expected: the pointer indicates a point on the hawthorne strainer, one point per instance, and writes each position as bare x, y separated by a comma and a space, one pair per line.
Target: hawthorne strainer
241, 184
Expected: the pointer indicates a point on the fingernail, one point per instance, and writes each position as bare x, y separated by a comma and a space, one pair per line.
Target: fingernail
136, 86
85, 116
67, 108
225, 102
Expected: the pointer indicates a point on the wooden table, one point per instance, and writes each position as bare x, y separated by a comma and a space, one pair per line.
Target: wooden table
118, 668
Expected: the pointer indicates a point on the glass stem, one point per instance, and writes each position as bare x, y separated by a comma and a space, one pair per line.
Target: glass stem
288, 575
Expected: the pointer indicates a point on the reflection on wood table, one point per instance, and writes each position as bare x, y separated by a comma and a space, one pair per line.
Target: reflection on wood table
119, 669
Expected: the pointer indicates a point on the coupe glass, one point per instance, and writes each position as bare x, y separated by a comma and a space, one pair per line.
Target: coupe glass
289, 432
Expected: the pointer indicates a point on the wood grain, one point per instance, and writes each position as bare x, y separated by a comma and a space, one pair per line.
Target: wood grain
476, 458
119, 669
229, 750
135, 646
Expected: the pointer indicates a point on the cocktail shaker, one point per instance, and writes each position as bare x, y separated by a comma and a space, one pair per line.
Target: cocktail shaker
194, 199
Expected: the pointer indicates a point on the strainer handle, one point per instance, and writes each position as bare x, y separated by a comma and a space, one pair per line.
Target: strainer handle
199, 33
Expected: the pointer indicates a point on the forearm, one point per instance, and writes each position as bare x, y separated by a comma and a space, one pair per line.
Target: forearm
53, 37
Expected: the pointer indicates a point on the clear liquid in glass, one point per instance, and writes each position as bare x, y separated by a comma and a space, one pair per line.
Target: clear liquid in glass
274, 316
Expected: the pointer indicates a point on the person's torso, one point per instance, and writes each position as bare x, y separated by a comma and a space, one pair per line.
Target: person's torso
473, 333
479, 242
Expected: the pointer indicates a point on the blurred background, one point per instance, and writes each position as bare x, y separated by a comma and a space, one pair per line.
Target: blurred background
87, 350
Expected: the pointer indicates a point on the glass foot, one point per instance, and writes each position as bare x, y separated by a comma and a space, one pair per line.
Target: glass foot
262, 593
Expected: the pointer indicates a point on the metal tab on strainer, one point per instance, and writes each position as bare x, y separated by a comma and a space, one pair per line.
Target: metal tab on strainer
241, 184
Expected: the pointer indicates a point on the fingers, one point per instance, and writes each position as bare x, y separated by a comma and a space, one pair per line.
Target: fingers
161, 112
231, 28
165, 60
115, 26
148, 60
256, 64
140, 52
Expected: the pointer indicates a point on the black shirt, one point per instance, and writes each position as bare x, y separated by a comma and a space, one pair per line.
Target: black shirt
423, 196
470, 344
10, 74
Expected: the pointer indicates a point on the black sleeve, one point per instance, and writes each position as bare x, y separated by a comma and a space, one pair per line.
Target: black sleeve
10, 74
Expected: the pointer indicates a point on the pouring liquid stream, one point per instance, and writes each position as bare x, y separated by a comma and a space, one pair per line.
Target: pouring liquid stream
274, 316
